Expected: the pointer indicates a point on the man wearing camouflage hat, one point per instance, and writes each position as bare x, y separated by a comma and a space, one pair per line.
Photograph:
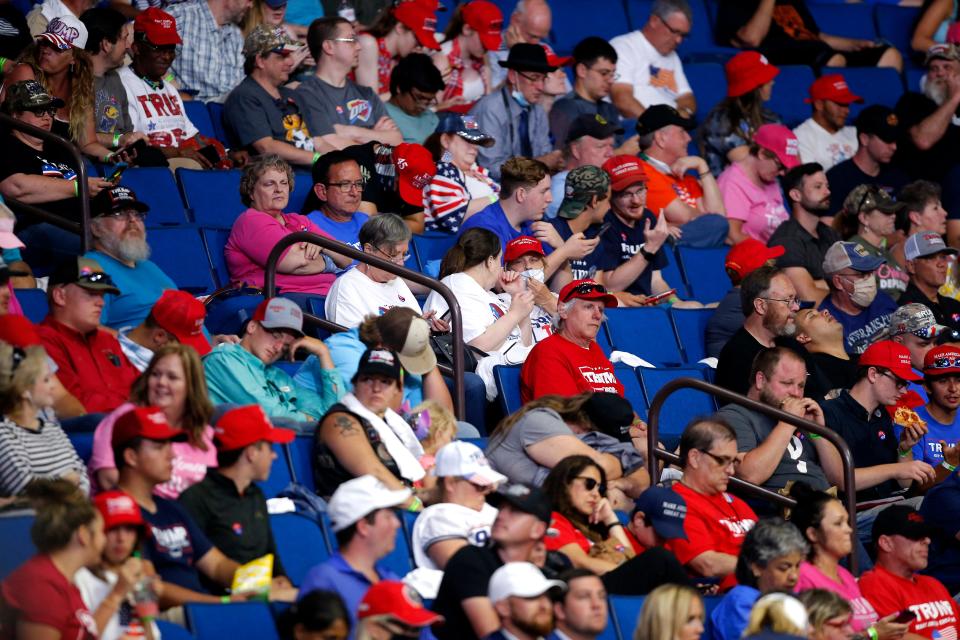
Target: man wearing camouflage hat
914, 326
262, 114
586, 201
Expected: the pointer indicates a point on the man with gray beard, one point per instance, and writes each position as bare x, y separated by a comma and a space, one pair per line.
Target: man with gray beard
930, 127
769, 302
120, 246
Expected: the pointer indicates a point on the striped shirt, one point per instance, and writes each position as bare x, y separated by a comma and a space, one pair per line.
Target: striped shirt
212, 62
448, 196
26, 455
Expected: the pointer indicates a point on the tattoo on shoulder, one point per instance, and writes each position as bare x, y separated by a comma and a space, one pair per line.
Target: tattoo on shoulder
345, 425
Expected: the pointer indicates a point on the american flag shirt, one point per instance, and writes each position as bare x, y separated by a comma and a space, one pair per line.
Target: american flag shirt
447, 197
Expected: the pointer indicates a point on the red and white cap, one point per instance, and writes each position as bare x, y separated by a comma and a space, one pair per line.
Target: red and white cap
158, 26
624, 171
780, 141
243, 426
834, 88
64, 32
280, 313
889, 355
182, 315
420, 20
487, 20
394, 599
519, 247
118, 509
415, 170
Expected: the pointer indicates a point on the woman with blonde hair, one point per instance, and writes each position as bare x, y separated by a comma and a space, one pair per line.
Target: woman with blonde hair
778, 613
829, 614
671, 612
173, 382
32, 444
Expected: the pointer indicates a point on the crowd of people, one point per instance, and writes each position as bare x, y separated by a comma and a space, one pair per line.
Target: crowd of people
560, 188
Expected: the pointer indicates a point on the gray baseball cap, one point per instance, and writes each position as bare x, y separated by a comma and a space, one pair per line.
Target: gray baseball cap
926, 243
280, 313
841, 255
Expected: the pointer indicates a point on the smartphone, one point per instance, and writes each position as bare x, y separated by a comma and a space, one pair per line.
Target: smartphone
660, 297
210, 153
136, 147
603, 229
905, 616
117, 172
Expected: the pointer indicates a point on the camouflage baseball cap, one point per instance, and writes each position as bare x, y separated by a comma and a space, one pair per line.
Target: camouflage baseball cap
264, 39
582, 184
870, 197
28, 94
913, 318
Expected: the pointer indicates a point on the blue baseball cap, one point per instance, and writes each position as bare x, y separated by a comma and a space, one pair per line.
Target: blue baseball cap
841, 255
665, 510
464, 126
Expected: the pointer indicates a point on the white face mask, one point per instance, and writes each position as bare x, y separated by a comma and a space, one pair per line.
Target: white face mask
535, 274
864, 291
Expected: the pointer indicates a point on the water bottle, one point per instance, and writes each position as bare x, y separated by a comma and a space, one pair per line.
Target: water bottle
144, 598
346, 11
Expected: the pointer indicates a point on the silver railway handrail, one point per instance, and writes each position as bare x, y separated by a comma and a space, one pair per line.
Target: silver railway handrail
456, 319
83, 227
849, 497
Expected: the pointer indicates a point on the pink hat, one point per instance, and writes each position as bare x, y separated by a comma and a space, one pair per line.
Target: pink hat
7, 239
780, 141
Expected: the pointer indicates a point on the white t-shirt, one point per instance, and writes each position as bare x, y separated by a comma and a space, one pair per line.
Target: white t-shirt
93, 590
449, 521
159, 113
354, 296
816, 144
656, 79
478, 307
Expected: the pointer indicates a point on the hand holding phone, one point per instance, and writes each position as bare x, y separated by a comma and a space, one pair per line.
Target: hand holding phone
117, 172
905, 617
660, 297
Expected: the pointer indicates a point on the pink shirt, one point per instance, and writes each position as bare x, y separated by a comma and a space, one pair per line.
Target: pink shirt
760, 208
189, 463
811, 577
253, 237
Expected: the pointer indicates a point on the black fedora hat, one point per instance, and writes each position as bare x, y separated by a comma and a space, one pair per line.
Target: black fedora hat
527, 57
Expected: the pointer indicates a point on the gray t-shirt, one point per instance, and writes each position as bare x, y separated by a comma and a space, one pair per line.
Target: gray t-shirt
799, 461
326, 105
508, 455
111, 114
252, 114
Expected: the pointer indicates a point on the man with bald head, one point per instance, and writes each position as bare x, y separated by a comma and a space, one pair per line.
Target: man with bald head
530, 22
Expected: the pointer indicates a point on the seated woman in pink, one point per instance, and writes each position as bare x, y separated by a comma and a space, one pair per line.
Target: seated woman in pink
173, 382
824, 522
303, 268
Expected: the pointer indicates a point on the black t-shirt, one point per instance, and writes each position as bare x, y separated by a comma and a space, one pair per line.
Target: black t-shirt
52, 162
946, 311
621, 242
736, 359
793, 37
912, 108
844, 177
826, 372
802, 249
252, 114
14, 33
466, 576
725, 321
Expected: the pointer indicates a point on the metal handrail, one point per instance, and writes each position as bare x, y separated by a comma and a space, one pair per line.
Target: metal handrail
456, 320
849, 482
83, 227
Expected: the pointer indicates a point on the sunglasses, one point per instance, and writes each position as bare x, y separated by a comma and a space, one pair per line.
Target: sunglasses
874, 199
585, 289
95, 278
43, 111
592, 483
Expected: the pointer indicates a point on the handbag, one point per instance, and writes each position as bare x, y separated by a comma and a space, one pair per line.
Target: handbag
442, 345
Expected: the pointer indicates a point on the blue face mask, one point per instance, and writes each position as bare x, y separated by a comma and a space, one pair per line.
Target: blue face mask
520, 99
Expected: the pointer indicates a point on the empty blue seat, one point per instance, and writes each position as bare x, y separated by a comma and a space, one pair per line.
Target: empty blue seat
848, 20
672, 272
216, 119
603, 339
876, 85
302, 186
508, 387
300, 543
229, 312
33, 302
708, 84
705, 271
429, 249
212, 196
197, 112
156, 187
895, 25
571, 23
234, 620
179, 251
645, 332
82, 443
700, 45
610, 631
214, 241
17, 545
171, 631
280, 475
626, 612
681, 407
316, 306
301, 461
691, 326
632, 390
791, 86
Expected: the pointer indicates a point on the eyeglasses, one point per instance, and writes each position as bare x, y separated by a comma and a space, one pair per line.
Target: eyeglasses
677, 33
419, 97
43, 111
537, 78
630, 195
899, 382
723, 462
398, 258
592, 483
346, 186
132, 215
790, 302
584, 289
351, 40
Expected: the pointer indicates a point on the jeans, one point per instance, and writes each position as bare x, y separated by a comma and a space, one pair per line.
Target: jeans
708, 230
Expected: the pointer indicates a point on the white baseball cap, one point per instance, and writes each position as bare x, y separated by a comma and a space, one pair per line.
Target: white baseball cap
358, 497
520, 579
465, 460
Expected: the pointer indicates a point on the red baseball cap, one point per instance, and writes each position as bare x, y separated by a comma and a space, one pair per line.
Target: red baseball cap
18, 331
487, 20
182, 315
553, 59
144, 422
395, 599
941, 361
587, 289
748, 255
746, 71
241, 427
415, 170
624, 171
118, 509
521, 246
158, 26
420, 20
889, 355
834, 88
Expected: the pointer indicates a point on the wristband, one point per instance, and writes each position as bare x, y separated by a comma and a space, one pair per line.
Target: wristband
673, 299
614, 524
648, 256
3, 63
316, 156
949, 467
813, 436
416, 505
903, 454
872, 633
493, 198
116, 140
108, 158
76, 189
225, 599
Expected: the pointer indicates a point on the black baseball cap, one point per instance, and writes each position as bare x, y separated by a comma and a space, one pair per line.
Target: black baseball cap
901, 520
527, 499
116, 199
610, 413
878, 120
659, 116
379, 362
593, 125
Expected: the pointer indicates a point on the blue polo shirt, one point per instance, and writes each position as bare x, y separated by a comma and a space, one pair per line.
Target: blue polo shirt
336, 575
940, 508
493, 217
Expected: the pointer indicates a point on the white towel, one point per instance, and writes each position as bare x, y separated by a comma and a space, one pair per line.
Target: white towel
397, 437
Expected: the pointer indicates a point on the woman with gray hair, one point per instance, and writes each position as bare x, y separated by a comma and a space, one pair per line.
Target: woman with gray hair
769, 562
303, 268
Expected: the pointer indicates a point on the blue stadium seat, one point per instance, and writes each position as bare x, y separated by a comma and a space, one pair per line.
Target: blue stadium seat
508, 387
216, 119
681, 407
610, 631
302, 186
708, 84
212, 196
895, 25
876, 85
638, 11
200, 117
228, 314
700, 45
171, 631
603, 339
82, 443
571, 23
280, 475
33, 302
315, 305
691, 326
301, 461
645, 332
300, 543
672, 273
704, 270
632, 390
913, 78
179, 251
791, 86
849, 20
626, 612
429, 249
480, 442
17, 545
234, 620
214, 240
156, 187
